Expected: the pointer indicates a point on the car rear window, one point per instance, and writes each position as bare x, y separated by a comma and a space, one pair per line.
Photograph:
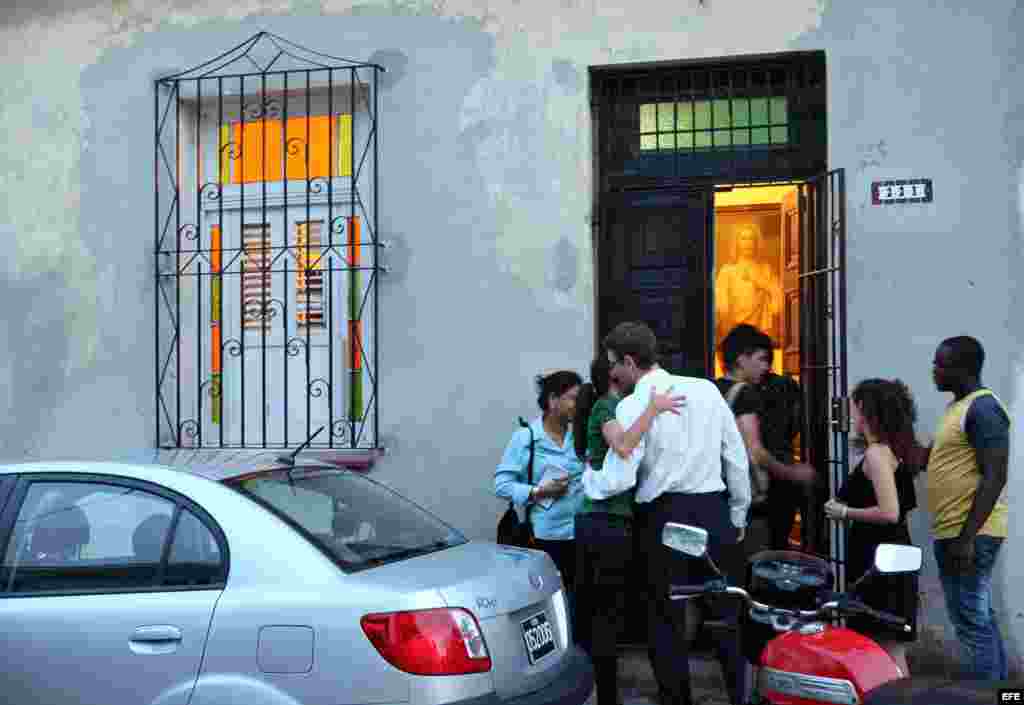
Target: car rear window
359, 522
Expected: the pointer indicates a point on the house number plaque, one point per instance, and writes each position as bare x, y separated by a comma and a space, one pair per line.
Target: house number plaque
905, 191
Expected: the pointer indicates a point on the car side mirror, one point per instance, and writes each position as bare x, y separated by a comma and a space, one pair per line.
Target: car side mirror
896, 558
690, 540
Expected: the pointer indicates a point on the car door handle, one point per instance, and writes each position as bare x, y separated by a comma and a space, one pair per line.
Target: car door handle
156, 634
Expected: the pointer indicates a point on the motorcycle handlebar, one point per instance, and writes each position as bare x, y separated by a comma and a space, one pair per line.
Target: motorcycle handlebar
881, 616
677, 592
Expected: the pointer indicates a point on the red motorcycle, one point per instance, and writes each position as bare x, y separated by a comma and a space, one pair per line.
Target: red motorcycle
787, 629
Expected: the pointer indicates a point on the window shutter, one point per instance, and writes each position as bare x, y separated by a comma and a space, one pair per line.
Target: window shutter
309, 275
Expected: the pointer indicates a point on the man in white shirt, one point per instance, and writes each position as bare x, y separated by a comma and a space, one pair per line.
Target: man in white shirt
678, 472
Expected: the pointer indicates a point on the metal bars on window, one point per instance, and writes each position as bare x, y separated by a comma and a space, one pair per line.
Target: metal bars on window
266, 191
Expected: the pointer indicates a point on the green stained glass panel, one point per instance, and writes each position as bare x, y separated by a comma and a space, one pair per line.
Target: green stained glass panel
721, 113
759, 111
648, 117
702, 114
779, 113
741, 113
684, 116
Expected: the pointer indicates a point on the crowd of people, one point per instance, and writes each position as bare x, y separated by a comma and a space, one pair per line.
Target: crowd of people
618, 456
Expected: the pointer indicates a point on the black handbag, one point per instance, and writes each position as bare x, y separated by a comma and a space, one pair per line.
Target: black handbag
512, 531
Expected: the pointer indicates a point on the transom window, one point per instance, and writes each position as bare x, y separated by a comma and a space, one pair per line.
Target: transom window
707, 124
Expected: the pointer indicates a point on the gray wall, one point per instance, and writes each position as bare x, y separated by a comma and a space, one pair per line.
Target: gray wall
486, 182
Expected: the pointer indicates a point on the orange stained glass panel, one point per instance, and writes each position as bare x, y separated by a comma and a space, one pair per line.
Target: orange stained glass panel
265, 144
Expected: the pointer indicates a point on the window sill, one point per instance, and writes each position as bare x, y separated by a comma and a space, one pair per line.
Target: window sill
357, 459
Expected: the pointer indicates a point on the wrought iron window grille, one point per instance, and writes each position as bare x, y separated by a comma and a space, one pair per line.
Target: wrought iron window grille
266, 236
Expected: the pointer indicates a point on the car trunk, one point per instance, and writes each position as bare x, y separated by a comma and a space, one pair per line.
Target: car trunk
517, 597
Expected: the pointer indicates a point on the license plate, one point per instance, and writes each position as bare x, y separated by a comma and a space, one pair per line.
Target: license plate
538, 637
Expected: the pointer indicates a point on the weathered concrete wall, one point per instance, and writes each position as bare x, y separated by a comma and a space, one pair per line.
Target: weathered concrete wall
486, 182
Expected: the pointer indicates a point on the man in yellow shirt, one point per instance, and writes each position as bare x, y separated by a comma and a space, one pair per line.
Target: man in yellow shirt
967, 469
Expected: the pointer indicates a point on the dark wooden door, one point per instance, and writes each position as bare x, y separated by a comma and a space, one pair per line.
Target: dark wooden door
653, 258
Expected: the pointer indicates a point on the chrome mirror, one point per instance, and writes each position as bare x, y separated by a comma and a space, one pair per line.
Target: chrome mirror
897, 558
691, 540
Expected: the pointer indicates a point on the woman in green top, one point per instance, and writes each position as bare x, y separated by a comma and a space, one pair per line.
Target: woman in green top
604, 541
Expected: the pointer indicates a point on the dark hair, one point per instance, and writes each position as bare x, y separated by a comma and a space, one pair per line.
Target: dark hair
635, 339
743, 340
889, 411
555, 384
597, 387
966, 353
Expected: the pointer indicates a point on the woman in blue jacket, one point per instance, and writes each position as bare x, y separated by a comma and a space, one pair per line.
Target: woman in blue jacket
557, 486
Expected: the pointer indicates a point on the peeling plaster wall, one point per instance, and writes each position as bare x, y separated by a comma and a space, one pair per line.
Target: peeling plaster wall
486, 182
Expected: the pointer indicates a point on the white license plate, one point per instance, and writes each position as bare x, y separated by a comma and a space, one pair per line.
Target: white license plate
538, 636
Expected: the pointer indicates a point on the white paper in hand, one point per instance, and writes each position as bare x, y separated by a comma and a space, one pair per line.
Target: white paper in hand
550, 472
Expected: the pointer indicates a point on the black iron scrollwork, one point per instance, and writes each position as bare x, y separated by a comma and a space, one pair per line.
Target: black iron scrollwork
231, 150
295, 145
268, 107
189, 428
318, 387
189, 231
260, 309
295, 346
211, 191
340, 429
213, 387
339, 224
318, 184
232, 346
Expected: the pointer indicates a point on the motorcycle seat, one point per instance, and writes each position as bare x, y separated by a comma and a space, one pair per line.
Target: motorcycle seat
913, 691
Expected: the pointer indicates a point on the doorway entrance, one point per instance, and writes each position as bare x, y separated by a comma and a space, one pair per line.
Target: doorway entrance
714, 207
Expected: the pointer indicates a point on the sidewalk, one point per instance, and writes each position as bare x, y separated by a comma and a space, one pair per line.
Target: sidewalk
638, 687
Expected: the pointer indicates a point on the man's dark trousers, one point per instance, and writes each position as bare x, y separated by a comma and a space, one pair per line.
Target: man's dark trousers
668, 645
604, 549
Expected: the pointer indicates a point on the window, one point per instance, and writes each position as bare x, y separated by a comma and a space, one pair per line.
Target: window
195, 557
709, 124
267, 267
355, 520
256, 311
84, 536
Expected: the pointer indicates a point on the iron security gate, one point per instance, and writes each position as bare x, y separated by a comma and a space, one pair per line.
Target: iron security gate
266, 243
826, 424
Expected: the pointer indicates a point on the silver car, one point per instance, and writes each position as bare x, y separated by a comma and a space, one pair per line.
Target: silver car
272, 585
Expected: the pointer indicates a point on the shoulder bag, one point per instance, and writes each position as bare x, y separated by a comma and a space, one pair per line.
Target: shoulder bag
512, 531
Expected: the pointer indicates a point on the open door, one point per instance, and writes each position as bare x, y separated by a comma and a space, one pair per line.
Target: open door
822, 321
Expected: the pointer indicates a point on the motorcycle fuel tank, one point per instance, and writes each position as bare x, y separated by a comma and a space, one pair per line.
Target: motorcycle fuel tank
823, 664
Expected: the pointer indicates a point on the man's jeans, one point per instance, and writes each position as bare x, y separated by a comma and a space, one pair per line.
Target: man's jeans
969, 604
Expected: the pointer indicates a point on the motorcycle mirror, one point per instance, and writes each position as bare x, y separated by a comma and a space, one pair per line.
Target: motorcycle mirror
896, 558
691, 540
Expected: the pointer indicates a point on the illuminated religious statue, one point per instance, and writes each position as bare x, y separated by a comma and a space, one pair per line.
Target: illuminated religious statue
747, 290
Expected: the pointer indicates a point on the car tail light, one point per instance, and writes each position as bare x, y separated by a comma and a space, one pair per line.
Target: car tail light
436, 642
